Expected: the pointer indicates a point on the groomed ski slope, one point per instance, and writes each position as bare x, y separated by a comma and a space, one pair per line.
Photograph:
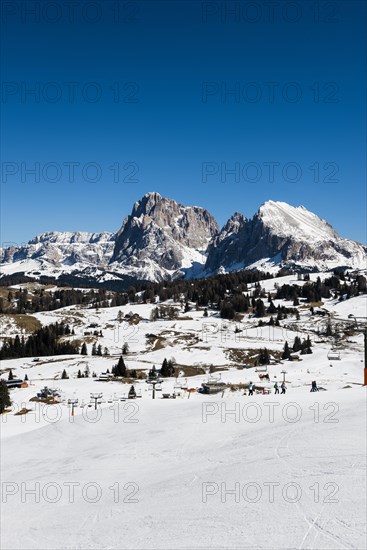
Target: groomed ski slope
163, 455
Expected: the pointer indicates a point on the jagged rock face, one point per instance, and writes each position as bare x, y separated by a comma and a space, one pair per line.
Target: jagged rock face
58, 249
227, 248
162, 231
280, 234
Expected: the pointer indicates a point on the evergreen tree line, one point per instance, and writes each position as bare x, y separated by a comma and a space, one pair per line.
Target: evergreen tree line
225, 292
335, 286
167, 369
204, 292
21, 301
298, 345
44, 341
164, 312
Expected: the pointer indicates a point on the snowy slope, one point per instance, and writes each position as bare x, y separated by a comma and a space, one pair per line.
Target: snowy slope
285, 220
161, 482
153, 474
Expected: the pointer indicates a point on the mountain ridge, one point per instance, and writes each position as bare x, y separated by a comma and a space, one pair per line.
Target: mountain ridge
163, 239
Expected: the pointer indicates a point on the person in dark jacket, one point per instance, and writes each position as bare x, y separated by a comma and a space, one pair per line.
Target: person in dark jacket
276, 387
284, 387
251, 389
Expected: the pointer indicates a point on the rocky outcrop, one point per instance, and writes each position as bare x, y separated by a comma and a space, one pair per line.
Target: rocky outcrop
164, 236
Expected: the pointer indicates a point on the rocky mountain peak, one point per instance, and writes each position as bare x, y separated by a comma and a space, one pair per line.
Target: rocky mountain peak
163, 234
282, 235
147, 204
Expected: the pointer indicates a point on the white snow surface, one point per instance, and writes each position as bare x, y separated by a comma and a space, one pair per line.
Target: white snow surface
171, 471
295, 221
200, 472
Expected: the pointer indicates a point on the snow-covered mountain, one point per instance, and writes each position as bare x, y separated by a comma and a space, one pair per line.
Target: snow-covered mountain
282, 235
54, 253
159, 239
162, 239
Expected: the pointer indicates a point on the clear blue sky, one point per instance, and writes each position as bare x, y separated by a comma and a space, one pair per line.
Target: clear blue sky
169, 123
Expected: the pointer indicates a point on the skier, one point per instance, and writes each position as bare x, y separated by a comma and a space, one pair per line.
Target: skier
276, 387
251, 389
314, 386
283, 386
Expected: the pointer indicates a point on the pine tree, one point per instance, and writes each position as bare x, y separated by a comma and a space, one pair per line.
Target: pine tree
170, 368
205, 314
79, 375
306, 347
259, 308
64, 375
120, 368
10, 377
84, 350
164, 368
153, 372
125, 348
26, 378
4, 396
99, 350
227, 310
297, 345
286, 351
132, 393
264, 357
94, 349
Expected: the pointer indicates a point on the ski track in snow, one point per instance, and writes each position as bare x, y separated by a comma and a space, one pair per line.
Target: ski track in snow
316, 524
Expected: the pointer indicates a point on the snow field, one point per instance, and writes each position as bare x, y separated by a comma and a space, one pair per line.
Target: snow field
201, 471
193, 474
